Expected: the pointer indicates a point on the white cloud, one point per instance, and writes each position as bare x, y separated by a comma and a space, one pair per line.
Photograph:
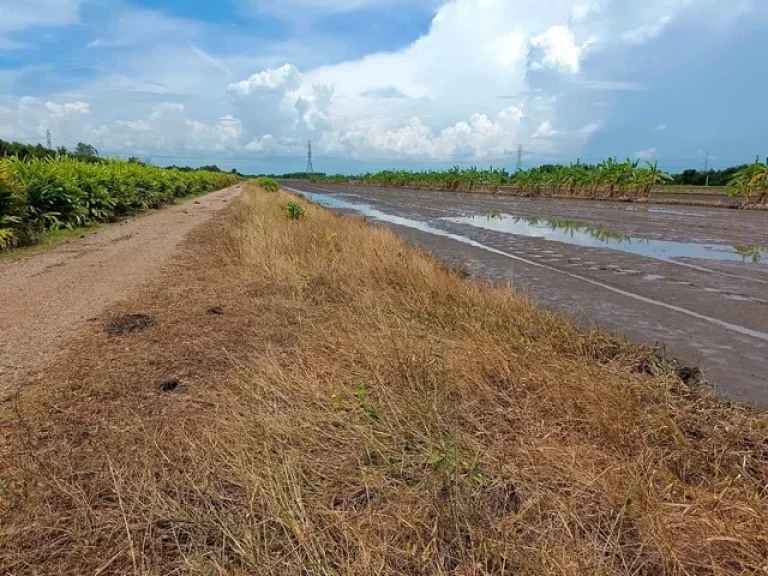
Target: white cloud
557, 48
462, 89
581, 12
647, 32
545, 130
661, 128
648, 154
60, 110
287, 77
169, 128
478, 137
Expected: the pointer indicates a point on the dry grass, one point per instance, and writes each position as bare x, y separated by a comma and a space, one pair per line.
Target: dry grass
359, 409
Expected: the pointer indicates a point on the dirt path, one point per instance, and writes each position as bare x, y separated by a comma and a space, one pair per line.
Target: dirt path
45, 297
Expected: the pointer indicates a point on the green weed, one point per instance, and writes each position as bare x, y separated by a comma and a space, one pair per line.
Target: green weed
294, 210
269, 184
364, 403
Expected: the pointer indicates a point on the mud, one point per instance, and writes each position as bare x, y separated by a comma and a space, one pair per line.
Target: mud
710, 310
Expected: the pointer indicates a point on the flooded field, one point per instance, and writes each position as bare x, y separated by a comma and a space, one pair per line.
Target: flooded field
693, 278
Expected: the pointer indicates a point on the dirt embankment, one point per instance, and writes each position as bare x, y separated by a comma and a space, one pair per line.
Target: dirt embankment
44, 298
313, 396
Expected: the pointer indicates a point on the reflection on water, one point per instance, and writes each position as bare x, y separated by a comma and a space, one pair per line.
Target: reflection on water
574, 232
580, 233
577, 227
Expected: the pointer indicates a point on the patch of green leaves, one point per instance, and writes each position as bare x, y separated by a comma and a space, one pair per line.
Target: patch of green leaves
294, 210
269, 184
365, 404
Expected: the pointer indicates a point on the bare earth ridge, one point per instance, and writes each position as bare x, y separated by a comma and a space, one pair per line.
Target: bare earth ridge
45, 297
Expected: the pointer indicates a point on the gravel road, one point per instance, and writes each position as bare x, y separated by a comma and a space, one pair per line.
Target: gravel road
693, 278
46, 296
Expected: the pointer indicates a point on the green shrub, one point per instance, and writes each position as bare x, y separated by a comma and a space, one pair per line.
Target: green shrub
294, 210
269, 184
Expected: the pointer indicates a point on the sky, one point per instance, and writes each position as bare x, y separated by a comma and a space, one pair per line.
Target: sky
388, 84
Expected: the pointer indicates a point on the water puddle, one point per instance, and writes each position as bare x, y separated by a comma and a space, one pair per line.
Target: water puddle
668, 211
578, 233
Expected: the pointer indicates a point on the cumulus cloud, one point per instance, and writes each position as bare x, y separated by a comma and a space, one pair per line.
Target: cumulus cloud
59, 110
545, 130
556, 48
439, 97
168, 127
478, 137
287, 77
487, 76
29, 118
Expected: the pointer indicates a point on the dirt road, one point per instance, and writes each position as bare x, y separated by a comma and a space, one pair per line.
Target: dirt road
693, 278
45, 297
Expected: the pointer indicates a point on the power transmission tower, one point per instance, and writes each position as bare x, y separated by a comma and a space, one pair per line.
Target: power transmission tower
519, 163
310, 168
48, 139
706, 168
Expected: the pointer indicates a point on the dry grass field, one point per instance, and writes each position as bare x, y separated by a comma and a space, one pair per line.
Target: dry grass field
311, 396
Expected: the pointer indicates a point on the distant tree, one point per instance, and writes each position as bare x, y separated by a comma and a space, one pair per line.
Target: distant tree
211, 168
24, 151
85, 151
62, 151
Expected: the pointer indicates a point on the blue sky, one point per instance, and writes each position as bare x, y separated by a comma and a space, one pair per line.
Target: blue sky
388, 83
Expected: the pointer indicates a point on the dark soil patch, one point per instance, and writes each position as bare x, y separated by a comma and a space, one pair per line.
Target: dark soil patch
216, 310
169, 385
129, 323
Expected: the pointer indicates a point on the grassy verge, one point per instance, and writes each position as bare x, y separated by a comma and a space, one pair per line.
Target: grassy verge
317, 398
52, 238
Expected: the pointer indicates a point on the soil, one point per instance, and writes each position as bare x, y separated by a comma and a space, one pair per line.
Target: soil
46, 297
127, 323
712, 314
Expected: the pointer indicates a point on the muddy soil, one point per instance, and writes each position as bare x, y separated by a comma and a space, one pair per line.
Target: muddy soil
708, 304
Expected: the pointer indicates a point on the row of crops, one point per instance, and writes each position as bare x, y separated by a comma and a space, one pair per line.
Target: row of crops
38, 195
610, 179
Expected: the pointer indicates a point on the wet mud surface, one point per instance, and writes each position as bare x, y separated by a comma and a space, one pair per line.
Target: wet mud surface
693, 278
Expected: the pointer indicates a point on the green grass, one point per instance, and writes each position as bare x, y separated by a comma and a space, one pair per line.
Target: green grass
51, 239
